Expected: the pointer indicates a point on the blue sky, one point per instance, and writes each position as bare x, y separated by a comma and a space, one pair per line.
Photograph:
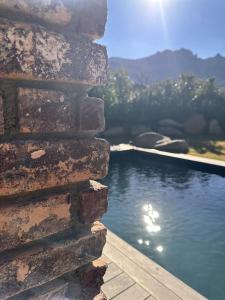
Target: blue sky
138, 28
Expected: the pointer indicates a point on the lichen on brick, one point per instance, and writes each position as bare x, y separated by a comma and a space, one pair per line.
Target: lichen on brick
82, 16
1, 116
64, 162
31, 52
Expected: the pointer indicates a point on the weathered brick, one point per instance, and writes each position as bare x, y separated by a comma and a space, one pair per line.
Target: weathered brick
25, 221
76, 285
1, 116
81, 16
46, 111
40, 264
93, 202
29, 52
43, 111
32, 165
8, 92
92, 274
53, 291
92, 115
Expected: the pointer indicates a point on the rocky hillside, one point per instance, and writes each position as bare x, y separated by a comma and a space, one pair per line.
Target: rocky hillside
170, 64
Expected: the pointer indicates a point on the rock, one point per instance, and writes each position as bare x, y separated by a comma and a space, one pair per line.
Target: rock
195, 124
171, 131
115, 132
170, 123
176, 146
138, 129
149, 139
215, 128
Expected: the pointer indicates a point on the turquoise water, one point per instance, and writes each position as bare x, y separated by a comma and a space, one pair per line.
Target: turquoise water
174, 215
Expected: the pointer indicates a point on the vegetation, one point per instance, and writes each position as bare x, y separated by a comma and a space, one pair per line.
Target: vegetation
129, 104
208, 148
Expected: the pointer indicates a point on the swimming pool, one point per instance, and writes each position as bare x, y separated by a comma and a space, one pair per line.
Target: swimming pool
172, 214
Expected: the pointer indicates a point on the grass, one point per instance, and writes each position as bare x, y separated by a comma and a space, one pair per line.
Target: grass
207, 147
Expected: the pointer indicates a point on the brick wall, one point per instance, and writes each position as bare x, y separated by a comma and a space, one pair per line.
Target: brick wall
50, 206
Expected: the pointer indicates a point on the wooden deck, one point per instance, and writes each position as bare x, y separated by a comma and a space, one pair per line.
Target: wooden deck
133, 276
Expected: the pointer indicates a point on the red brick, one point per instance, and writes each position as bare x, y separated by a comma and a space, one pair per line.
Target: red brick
44, 111
81, 16
30, 52
1, 116
93, 202
27, 166
47, 111
92, 274
25, 221
45, 262
92, 118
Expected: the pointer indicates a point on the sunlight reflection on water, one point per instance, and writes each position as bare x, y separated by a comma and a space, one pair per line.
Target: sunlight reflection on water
150, 216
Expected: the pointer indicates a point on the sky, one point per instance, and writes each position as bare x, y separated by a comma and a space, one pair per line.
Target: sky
139, 28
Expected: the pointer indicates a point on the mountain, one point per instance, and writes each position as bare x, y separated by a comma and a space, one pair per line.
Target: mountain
169, 65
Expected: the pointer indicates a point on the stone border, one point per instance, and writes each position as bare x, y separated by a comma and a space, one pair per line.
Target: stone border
198, 163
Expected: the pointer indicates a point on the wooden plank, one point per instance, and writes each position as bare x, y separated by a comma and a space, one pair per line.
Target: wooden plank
117, 285
131, 260
135, 292
34, 165
30, 52
151, 298
185, 157
148, 282
112, 271
80, 16
48, 260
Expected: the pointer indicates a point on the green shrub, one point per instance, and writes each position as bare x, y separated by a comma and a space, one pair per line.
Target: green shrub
128, 104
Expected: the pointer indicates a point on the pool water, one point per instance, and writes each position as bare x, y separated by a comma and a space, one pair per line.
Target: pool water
172, 214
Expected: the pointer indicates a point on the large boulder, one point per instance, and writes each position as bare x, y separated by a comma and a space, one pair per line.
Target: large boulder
171, 131
195, 124
215, 128
115, 132
170, 123
175, 146
149, 139
138, 129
